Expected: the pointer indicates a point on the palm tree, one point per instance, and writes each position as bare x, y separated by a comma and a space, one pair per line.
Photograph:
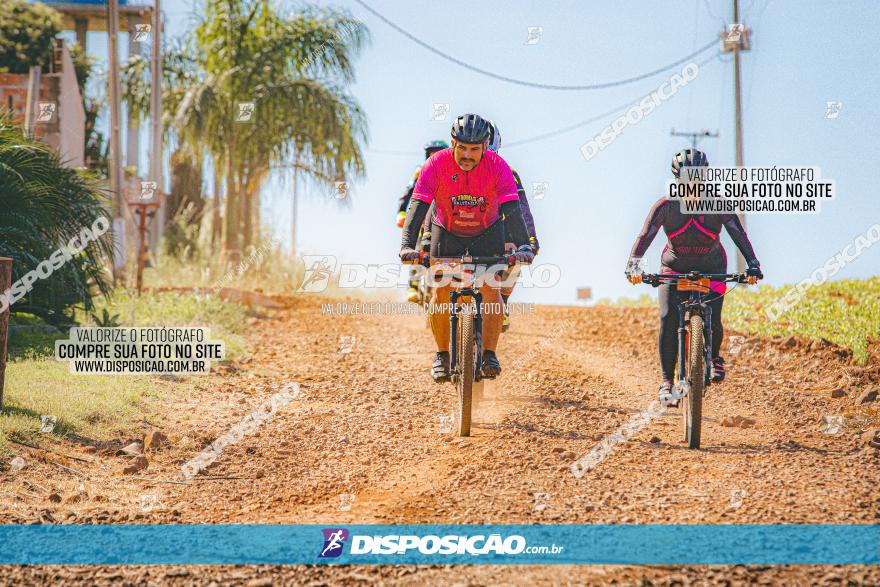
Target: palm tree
294, 68
45, 205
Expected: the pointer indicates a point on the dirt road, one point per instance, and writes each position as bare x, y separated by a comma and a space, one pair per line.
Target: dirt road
368, 425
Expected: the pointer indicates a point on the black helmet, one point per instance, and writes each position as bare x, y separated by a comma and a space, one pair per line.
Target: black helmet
471, 129
688, 158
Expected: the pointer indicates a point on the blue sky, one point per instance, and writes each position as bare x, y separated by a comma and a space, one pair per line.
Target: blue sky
804, 53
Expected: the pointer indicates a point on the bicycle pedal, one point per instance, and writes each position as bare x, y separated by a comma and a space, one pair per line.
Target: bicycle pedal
680, 390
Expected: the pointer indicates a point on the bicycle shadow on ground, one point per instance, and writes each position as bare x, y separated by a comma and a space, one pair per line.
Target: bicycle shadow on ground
532, 429
791, 447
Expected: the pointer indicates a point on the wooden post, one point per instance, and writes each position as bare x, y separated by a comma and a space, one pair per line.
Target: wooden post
81, 25
144, 213
5, 284
33, 98
142, 246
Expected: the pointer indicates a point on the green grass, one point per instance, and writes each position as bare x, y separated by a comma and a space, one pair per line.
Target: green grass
265, 267
226, 320
94, 406
845, 312
643, 301
29, 344
101, 406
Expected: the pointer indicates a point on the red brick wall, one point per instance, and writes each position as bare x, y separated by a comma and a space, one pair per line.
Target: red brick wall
64, 135
14, 86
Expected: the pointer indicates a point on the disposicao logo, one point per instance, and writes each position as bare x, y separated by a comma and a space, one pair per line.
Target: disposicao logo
442, 545
334, 541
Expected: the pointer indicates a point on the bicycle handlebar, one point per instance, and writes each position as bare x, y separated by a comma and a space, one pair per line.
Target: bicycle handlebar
657, 279
509, 260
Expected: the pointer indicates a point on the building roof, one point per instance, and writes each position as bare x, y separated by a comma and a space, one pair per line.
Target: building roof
95, 12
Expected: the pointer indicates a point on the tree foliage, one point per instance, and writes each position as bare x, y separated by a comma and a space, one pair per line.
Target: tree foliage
293, 66
44, 206
26, 34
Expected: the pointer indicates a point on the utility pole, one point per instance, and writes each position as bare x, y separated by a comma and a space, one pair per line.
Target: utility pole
5, 284
116, 178
157, 35
735, 39
132, 133
296, 177
695, 136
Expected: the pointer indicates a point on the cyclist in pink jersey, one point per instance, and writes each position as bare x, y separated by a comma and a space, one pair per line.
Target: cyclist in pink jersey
471, 188
467, 202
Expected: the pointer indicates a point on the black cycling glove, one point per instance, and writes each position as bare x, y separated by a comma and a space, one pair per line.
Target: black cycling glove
754, 270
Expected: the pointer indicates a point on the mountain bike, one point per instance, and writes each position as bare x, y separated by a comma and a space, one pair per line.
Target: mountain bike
466, 323
694, 367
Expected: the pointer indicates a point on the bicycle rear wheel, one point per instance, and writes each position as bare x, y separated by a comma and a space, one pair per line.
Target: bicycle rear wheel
466, 363
692, 410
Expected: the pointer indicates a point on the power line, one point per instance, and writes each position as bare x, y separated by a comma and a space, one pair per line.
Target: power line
578, 125
528, 83
596, 118
712, 12
757, 54
693, 45
695, 136
395, 153
554, 133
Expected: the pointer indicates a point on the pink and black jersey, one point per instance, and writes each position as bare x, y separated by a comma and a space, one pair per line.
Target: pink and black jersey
694, 242
466, 201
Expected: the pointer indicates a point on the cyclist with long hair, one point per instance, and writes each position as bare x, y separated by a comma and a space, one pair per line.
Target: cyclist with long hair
694, 245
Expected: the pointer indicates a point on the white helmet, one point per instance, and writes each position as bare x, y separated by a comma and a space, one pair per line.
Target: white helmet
494, 137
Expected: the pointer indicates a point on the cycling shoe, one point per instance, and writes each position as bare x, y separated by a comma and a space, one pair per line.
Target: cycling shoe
440, 367
491, 368
665, 395
718, 373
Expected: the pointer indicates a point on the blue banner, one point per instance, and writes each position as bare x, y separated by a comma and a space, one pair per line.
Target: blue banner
704, 544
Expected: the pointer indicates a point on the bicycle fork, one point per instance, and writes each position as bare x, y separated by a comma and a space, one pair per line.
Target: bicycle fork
683, 384
683, 345
707, 326
454, 297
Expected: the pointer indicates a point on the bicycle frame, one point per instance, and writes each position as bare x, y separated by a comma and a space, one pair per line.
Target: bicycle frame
454, 297
464, 293
696, 302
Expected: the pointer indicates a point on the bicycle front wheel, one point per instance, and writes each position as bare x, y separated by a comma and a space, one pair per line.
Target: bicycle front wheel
466, 364
696, 377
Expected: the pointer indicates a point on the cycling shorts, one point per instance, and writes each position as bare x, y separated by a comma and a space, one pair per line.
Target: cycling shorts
489, 243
